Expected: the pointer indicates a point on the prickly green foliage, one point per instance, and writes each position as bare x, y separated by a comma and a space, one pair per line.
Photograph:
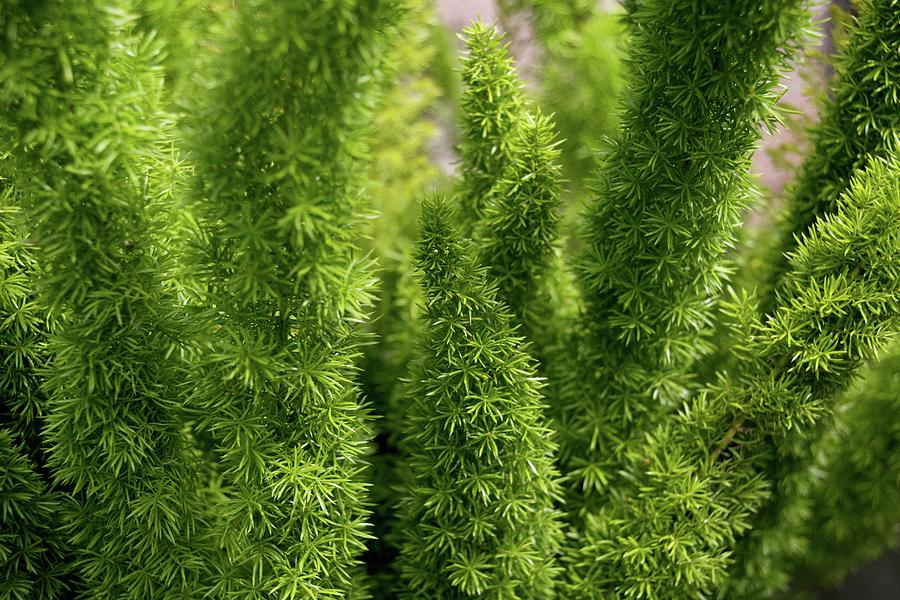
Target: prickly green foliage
669, 196
761, 565
580, 77
477, 518
838, 305
82, 95
33, 563
491, 106
855, 505
780, 533
678, 489
859, 120
518, 232
276, 146
517, 225
837, 496
23, 328
860, 117
696, 480
858, 307
33, 560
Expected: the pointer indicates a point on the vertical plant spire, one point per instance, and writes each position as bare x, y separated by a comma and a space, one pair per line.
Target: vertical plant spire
491, 105
668, 198
278, 200
477, 517
860, 120
33, 558
580, 75
80, 98
695, 481
518, 231
23, 325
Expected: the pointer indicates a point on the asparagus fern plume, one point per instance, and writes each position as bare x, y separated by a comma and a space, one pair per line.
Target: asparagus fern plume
669, 197
837, 309
81, 94
581, 74
518, 231
861, 119
841, 296
491, 104
33, 563
278, 204
477, 517
23, 328
695, 481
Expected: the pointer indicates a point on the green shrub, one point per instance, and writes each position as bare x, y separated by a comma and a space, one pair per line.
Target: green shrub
222, 379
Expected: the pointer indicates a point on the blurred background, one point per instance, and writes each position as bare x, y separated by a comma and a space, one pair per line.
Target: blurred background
555, 76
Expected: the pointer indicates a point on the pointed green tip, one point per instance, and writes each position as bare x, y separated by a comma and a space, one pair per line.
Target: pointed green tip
478, 29
484, 39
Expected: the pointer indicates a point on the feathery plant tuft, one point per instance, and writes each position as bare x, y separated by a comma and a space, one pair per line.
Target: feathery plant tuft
669, 196
855, 491
491, 105
518, 229
275, 147
839, 312
200, 397
81, 96
477, 518
34, 562
695, 481
33, 555
860, 120
23, 328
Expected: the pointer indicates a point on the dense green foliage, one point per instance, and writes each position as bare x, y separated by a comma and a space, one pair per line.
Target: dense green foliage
82, 100
668, 199
32, 553
240, 360
580, 75
492, 103
518, 230
862, 118
277, 205
859, 123
855, 491
694, 482
477, 518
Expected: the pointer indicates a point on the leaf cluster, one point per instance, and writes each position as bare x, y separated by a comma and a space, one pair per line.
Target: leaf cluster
477, 517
